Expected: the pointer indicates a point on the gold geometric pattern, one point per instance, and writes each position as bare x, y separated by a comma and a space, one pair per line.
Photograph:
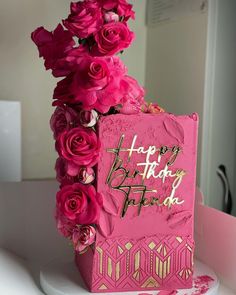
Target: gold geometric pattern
185, 273
150, 263
179, 239
152, 245
162, 250
150, 283
100, 251
136, 274
162, 267
103, 287
109, 267
128, 246
117, 271
120, 250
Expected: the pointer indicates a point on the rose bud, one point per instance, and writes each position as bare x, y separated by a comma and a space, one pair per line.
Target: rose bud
154, 108
86, 175
111, 17
83, 237
88, 118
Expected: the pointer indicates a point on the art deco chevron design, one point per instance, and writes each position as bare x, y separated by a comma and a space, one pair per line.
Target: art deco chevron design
149, 263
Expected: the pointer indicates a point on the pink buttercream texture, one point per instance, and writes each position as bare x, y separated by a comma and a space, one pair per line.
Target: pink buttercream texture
159, 233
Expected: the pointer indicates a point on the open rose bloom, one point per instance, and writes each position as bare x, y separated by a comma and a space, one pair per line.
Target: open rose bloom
125, 167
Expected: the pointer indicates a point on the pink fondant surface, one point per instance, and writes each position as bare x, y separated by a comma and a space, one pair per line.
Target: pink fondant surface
151, 130
148, 247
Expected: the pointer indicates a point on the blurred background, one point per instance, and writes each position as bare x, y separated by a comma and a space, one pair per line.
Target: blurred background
184, 55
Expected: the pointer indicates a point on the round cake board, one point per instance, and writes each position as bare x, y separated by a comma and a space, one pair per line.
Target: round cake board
63, 278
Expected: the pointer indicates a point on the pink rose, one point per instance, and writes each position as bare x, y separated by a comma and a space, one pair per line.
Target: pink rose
111, 16
80, 146
52, 46
65, 226
85, 18
133, 100
62, 174
79, 203
66, 65
122, 8
83, 237
95, 83
112, 38
88, 118
63, 118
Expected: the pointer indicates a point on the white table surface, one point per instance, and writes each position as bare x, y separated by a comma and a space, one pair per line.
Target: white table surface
62, 278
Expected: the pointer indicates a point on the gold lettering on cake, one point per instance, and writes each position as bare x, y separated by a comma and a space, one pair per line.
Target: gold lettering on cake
119, 175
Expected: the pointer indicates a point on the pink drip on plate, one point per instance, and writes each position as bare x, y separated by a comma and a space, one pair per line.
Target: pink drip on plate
202, 285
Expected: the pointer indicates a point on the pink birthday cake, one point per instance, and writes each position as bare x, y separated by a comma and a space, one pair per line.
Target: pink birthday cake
126, 167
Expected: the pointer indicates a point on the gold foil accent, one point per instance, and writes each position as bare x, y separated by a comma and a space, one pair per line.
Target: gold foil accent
103, 287
100, 251
120, 250
109, 267
168, 265
136, 275
151, 262
179, 239
127, 263
117, 271
152, 245
189, 248
157, 265
164, 269
162, 250
185, 273
161, 269
137, 260
150, 283
128, 246
159, 249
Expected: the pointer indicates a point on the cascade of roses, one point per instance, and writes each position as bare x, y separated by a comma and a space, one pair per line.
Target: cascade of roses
83, 51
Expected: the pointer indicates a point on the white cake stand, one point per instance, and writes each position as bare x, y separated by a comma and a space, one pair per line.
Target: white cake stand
63, 278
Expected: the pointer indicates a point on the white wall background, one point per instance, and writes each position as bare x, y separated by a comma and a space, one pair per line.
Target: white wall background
23, 77
219, 136
175, 74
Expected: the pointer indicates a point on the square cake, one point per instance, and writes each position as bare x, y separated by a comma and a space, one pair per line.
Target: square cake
126, 167
146, 174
